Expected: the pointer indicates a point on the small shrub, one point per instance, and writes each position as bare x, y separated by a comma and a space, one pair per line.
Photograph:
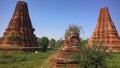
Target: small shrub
13, 37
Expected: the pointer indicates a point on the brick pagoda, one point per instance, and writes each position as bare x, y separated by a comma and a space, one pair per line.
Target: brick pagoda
19, 31
105, 32
68, 48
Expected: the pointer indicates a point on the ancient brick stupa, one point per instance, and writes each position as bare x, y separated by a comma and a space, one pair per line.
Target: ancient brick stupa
19, 31
105, 32
69, 47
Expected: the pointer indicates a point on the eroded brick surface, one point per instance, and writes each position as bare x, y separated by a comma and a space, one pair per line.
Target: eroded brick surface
19, 31
105, 32
69, 48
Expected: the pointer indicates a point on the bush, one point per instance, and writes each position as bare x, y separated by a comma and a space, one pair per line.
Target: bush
94, 57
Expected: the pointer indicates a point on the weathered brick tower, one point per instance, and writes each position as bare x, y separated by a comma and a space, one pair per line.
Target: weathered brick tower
19, 31
105, 32
69, 48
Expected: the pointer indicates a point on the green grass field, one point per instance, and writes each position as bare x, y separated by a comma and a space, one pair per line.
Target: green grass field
33, 60
25, 60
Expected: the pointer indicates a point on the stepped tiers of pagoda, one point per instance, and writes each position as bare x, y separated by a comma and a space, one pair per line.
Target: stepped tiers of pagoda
19, 31
105, 32
68, 48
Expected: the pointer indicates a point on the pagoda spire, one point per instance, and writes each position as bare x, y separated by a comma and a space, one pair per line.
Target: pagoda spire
20, 31
105, 31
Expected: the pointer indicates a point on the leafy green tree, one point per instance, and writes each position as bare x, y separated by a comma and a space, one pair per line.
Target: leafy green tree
52, 42
84, 42
58, 43
38, 40
44, 43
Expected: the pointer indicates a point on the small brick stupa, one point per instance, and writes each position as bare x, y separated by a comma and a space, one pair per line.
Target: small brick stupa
19, 31
69, 47
105, 32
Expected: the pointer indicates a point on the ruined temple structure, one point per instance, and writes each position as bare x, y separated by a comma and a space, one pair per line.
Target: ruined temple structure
19, 31
69, 48
105, 32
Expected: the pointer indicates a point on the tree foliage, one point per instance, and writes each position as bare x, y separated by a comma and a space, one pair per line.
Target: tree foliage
43, 42
84, 42
52, 42
58, 43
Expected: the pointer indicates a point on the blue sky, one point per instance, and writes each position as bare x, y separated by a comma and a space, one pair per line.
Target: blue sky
51, 18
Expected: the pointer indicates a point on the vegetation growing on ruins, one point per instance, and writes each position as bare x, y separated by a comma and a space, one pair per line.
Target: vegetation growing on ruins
13, 37
87, 58
20, 29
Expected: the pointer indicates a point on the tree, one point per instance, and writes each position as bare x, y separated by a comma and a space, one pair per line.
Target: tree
52, 42
44, 43
84, 42
38, 40
58, 43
